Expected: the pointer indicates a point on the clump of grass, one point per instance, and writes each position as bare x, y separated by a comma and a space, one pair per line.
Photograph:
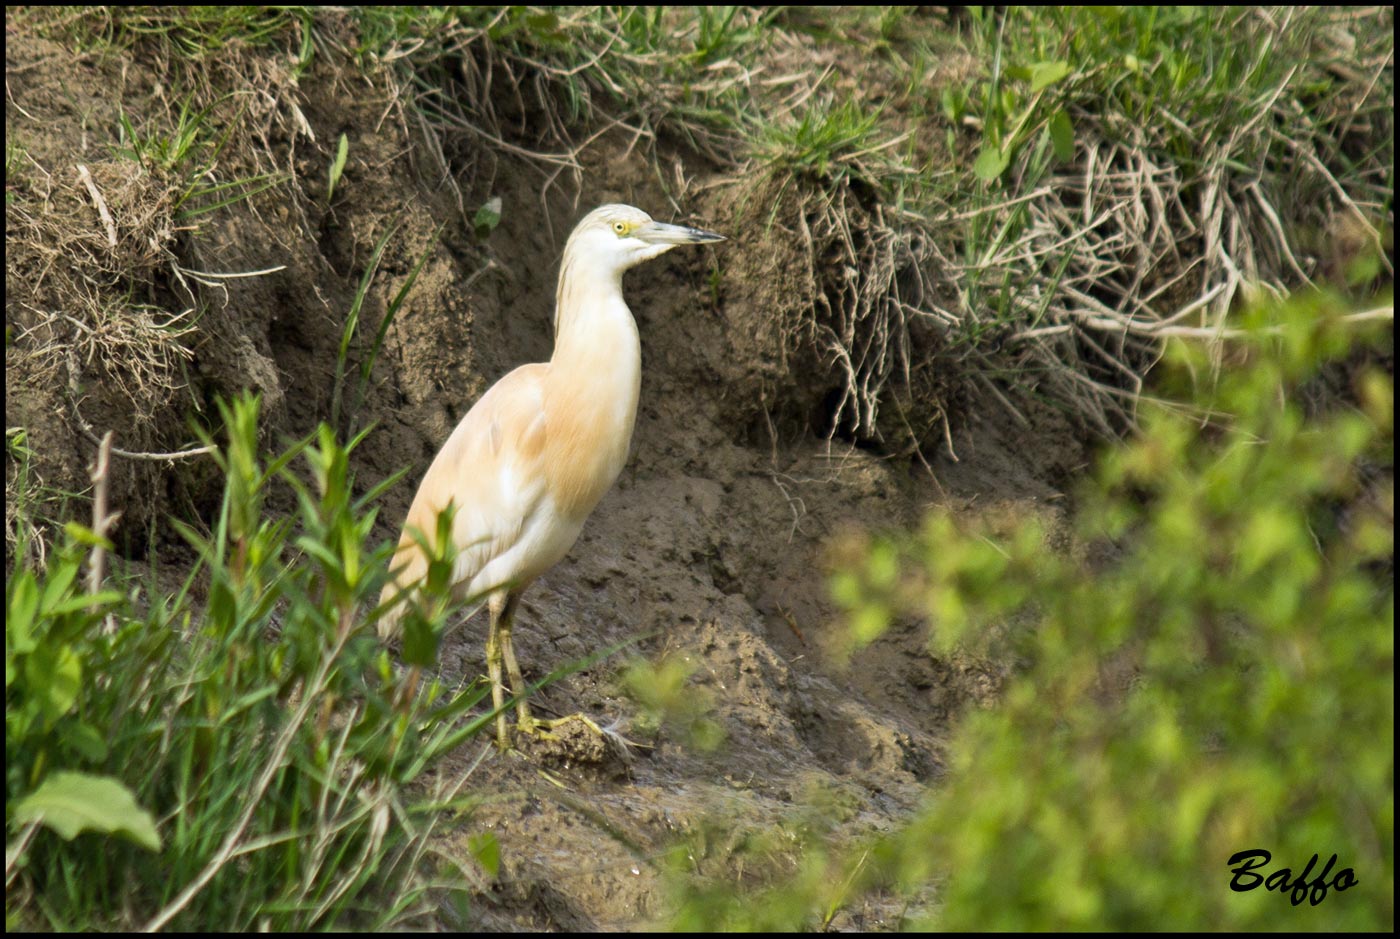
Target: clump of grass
824, 142
1139, 175
249, 752
834, 176
193, 34
108, 287
190, 155
33, 509
85, 251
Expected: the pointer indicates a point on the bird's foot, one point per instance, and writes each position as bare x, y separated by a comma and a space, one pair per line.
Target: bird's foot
562, 728
544, 727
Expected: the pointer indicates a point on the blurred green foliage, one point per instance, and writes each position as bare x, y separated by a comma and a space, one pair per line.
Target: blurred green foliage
790, 875
664, 694
1209, 670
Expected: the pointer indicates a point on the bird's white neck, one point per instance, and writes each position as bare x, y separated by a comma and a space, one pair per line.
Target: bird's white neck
596, 376
591, 318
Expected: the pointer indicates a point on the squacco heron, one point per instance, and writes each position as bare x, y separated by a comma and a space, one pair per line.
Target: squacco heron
530, 460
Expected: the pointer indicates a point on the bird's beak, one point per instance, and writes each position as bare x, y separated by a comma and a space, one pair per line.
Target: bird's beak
660, 233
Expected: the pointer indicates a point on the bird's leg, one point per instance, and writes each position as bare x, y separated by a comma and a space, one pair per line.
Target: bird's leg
497, 606
517, 681
499, 645
526, 723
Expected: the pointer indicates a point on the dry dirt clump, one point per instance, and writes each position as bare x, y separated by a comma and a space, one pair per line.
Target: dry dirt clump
712, 547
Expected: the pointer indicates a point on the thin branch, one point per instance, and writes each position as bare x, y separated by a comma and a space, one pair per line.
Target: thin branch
86, 178
102, 522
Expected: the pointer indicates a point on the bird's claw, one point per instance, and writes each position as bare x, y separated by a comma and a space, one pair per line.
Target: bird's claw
544, 729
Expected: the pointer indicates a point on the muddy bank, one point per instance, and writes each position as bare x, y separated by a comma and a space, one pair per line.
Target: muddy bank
714, 546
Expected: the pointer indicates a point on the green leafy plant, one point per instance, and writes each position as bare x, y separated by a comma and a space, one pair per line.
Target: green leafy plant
245, 755
188, 154
48, 662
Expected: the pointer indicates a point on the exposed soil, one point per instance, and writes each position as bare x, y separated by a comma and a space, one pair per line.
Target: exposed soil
714, 545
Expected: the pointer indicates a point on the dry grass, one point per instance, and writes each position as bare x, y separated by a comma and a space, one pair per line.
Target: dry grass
103, 261
873, 322
84, 247
1068, 279
1061, 282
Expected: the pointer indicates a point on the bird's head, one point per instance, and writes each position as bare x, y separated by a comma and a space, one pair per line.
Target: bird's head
616, 237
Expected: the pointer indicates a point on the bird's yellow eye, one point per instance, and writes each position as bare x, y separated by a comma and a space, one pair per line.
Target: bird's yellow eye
620, 227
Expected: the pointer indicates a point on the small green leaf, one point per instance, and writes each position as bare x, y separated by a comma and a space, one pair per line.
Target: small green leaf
487, 851
59, 584
1062, 136
103, 598
72, 803
87, 741
419, 645
991, 163
954, 102
19, 621
338, 166
86, 536
487, 218
1045, 74
55, 676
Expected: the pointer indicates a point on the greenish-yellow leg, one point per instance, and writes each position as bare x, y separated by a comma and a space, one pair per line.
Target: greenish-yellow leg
517, 681
499, 646
497, 605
